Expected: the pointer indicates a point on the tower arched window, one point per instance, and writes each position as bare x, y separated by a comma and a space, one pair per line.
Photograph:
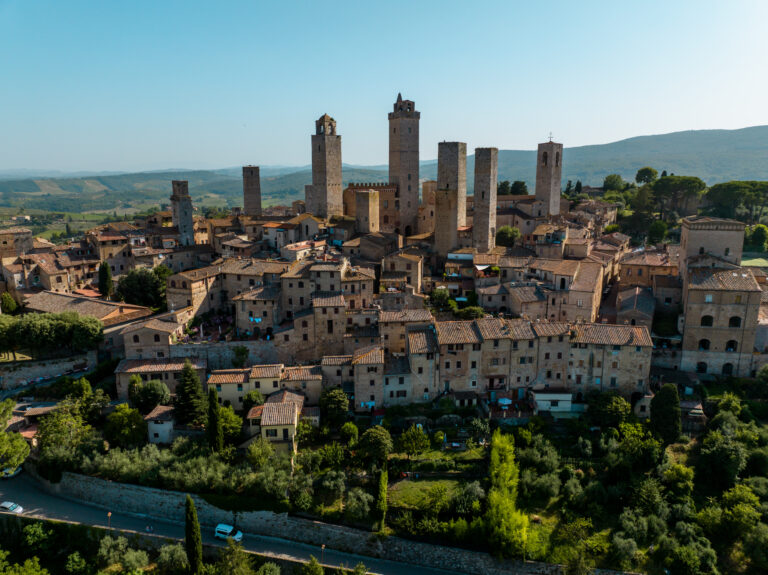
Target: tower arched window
732, 345
706, 321
701, 367
557, 159
703, 345
545, 159
727, 369
735, 321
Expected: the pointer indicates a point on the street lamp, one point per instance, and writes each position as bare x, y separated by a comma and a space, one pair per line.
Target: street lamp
322, 554
109, 520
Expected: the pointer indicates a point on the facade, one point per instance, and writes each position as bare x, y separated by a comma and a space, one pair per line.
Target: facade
324, 196
404, 161
549, 175
718, 237
486, 179
450, 196
251, 191
181, 208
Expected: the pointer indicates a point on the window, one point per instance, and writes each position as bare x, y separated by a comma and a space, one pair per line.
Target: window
727, 369
613, 382
239, 387
420, 370
135, 339
727, 251
703, 345
274, 384
706, 321
735, 321
701, 367
708, 298
474, 363
458, 365
732, 345
271, 432
546, 355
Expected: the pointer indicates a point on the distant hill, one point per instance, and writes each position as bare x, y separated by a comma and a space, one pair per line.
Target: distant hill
713, 155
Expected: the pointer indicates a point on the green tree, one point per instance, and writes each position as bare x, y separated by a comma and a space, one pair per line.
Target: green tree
162, 273
665, 414
358, 503
673, 193
503, 188
106, 286
381, 501
172, 560
125, 427
251, 399
8, 304
193, 541
268, 568
518, 188
60, 436
722, 459
613, 182
334, 405
656, 231
759, 237
6, 411
349, 431
76, 564
646, 175
233, 560
148, 395
190, 401
376, 444
214, 430
608, 409
577, 188
231, 424
678, 479
241, 356
507, 527
259, 452
414, 441
141, 286
313, 567
506, 236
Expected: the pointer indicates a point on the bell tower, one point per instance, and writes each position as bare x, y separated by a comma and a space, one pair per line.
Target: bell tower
404, 161
549, 176
324, 197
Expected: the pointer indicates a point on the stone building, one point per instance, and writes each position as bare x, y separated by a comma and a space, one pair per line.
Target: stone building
404, 160
486, 179
168, 370
324, 196
426, 223
368, 363
450, 196
718, 237
549, 174
181, 209
15, 241
251, 191
393, 326
367, 211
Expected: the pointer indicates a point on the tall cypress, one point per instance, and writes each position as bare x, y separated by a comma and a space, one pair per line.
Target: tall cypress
106, 286
214, 430
193, 541
190, 400
381, 503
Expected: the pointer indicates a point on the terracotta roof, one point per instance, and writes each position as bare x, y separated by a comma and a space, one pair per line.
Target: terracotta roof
740, 279
520, 329
422, 341
648, 258
255, 412
40, 410
265, 293
498, 289
368, 355
273, 370
301, 373
333, 267
54, 302
160, 413
336, 360
557, 267
493, 328
452, 332
527, 294
279, 414
286, 396
327, 299
609, 334
157, 365
154, 324
225, 376
587, 276
17, 230
550, 328
405, 315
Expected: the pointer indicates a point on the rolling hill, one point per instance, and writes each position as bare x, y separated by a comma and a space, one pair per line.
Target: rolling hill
713, 155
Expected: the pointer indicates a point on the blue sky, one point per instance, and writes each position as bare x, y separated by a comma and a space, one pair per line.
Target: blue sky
159, 84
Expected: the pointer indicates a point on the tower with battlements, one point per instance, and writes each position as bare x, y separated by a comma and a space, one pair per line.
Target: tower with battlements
486, 180
404, 161
181, 212
251, 191
450, 195
367, 211
549, 175
323, 197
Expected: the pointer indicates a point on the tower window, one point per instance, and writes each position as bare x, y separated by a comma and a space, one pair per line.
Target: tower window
545, 159
557, 159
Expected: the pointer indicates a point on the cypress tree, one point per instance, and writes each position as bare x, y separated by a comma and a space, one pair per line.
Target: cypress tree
193, 541
106, 286
190, 401
665, 413
381, 503
215, 430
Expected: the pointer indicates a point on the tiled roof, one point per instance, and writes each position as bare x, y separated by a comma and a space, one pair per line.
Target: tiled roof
368, 355
452, 332
587, 276
286, 396
157, 365
223, 376
333, 267
154, 324
498, 289
637, 299
405, 315
160, 413
303, 372
273, 370
740, 279
648, 258
422, 341
550, 328
493, 328
520, 329
279, 414
527, 294
255, 412
557, 267
265, 293
336, 360
327, 299
609, 334
53, 302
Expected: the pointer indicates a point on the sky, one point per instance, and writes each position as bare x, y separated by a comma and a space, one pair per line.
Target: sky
147, 85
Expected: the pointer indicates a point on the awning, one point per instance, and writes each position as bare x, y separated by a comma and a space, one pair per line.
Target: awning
481, 268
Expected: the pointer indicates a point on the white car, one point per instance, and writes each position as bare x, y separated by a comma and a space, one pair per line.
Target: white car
224, 531
10, 507
9, 472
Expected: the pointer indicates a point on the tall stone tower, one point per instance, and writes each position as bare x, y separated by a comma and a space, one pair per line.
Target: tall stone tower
486, 180
367, 211
450, 196
251, 191
324, 197
549, 176
404, 161
181, 212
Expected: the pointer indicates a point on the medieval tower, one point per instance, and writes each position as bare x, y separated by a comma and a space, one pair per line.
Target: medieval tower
367, 211
450, 196
404, 161
181, 212
486, 179
251, 191
324, 197
549, 174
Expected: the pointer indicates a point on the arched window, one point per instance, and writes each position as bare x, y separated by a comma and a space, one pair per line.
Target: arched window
157, 337
562, 283
727, 369
732, 345
706, 321
703, 345
557, 159
701, 367
544, 159
701, 251
735, 321
173, 283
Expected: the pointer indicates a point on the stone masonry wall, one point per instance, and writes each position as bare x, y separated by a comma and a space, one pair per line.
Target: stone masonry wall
169, 505
20, 373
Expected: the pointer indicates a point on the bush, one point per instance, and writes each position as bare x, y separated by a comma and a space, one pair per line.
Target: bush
134, 559
172, 560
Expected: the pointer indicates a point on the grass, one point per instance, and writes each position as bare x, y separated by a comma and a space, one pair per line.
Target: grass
7, 356
412, 493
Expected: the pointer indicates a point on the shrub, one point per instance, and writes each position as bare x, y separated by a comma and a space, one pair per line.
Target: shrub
172, 560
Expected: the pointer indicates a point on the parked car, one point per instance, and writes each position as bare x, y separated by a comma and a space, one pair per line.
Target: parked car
224, 531
10, 507
9, 472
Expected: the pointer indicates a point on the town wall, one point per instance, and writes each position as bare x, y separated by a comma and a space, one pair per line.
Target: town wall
17, 374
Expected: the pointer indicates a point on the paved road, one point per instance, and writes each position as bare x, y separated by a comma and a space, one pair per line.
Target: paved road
25, 491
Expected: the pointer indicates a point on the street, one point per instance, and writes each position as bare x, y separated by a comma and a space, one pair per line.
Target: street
25, 491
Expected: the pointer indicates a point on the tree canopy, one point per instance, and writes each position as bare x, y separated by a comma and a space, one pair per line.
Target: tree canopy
665, 413
506, 236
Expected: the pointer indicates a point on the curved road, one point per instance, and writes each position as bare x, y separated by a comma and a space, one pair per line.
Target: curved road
25, 491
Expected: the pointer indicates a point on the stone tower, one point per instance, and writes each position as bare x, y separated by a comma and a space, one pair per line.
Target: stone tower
404, 161
549, 175
324, 197
486, 180
450, 196
367, 211
251, 191
181, 212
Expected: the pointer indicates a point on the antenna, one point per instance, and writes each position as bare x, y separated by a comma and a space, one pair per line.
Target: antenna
550, 136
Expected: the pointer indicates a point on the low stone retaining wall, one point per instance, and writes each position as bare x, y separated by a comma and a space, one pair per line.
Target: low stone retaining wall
169, 505
18, 374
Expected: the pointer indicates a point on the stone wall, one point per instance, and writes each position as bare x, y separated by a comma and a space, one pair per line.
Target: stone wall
219, 355
169, 505
18, 374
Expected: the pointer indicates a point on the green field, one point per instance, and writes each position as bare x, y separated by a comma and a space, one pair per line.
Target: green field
412, 493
